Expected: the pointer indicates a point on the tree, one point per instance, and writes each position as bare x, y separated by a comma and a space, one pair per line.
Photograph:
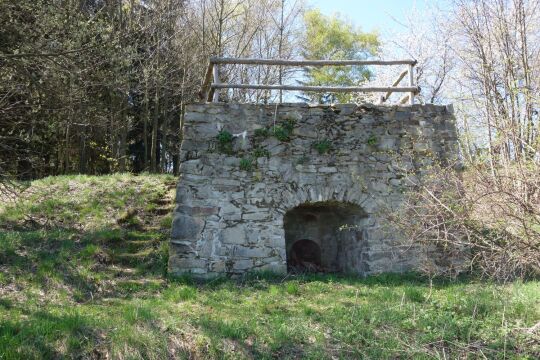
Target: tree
332, 38
100, 86
482, 55
431, 47
247, 28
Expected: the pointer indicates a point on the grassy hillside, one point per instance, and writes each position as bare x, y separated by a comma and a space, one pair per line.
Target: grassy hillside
83, 275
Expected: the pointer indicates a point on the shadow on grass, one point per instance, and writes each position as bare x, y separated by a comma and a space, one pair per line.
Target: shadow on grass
81, 262
37, 333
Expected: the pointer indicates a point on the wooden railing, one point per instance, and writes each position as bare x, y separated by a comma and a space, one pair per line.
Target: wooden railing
212, 84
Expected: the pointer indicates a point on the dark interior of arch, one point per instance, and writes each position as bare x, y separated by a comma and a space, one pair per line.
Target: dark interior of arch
325, 237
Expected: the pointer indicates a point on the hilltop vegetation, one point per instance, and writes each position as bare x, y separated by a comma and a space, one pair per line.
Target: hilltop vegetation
83, 275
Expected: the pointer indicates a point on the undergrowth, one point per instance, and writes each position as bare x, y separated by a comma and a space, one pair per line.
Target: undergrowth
79, 278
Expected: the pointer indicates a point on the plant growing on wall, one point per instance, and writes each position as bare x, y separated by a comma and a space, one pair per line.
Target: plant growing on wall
284, 131
281, 133
260, 152
225, 140
322, 146
247, 164
372, 140
261, 133
288, 124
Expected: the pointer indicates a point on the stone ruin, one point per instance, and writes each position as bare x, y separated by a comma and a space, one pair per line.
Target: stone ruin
294, 187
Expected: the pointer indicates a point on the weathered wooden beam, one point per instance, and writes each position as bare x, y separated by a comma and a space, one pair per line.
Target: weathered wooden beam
205, 88
411, 83
247, 61
404, 99
396, 83
215, 98
408, 89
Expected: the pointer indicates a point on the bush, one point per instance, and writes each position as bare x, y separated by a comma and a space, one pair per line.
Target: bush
474, 220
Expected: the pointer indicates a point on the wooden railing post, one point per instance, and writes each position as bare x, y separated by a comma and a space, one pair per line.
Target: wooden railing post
206, 86
411, 83
215, 98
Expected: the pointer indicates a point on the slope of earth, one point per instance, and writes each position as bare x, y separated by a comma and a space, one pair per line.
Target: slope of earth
83, 275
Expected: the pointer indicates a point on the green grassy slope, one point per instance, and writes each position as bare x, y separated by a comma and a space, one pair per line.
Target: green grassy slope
83, 275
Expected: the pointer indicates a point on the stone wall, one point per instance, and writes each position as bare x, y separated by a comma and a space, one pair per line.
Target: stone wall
233, 196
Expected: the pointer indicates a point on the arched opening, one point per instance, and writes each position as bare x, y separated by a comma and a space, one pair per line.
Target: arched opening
325, 237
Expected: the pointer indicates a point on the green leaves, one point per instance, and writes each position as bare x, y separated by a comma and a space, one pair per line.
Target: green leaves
225, 139
323, 146
331, 38
246, 164
284, 131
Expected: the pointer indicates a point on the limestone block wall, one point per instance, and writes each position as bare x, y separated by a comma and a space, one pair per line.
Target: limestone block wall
233, 196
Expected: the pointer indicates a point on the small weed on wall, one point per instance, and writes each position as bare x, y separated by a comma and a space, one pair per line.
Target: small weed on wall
247, 164
323, 146
261, 152
261, 133
372, 140
284, 131
225, 140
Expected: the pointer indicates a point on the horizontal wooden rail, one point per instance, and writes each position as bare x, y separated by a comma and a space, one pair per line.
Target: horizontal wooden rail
408, 89
247, 61
211, 83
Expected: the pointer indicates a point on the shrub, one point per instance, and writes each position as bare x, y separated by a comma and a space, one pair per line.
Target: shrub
473, 220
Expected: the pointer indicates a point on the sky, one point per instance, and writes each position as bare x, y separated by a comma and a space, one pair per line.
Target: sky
371, 14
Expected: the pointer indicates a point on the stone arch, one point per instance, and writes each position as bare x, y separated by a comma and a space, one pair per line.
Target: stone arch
293, 195
326, 236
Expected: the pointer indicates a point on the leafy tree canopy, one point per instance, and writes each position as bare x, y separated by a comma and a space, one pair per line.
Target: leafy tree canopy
333, 38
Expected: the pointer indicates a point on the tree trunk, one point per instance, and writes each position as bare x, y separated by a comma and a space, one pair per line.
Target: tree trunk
146, 119
155, 124
82, 150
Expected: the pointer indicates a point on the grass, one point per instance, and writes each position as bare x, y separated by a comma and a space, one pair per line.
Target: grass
80, 278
